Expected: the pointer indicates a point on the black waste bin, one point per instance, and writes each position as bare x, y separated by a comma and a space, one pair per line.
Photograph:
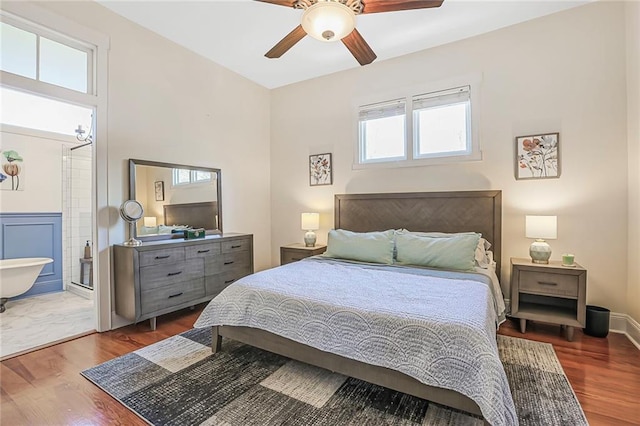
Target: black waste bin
597, 321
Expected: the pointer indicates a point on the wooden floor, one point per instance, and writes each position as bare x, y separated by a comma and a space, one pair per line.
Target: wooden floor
45, 387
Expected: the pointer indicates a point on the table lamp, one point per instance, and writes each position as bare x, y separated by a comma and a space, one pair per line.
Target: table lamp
541, 228
310, 222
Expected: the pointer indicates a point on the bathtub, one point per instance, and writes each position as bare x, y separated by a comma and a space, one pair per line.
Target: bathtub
18, 275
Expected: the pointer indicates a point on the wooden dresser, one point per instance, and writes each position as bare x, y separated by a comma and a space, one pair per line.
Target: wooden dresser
159, 277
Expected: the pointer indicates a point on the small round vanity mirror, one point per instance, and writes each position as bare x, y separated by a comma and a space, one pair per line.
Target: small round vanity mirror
131, 211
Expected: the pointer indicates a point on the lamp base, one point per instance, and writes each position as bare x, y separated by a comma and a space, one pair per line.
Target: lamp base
540, 252
310, 239
132, 242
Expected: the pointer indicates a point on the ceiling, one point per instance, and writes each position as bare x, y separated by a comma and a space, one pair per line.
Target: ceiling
237, 34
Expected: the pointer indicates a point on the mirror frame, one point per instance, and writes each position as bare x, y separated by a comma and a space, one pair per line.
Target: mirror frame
132, 195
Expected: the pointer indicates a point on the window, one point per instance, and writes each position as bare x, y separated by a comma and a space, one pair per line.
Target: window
49, 58
382, 131
437, 128
36, 112
442, 123
187, 177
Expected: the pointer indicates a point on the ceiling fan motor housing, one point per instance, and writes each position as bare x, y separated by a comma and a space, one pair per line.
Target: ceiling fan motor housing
328, 20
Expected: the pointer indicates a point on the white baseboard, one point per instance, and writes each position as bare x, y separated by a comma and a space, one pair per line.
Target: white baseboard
80, 291
624, 324
619, 323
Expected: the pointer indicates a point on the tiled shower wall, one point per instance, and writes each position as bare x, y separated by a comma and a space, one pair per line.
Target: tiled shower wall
76, 218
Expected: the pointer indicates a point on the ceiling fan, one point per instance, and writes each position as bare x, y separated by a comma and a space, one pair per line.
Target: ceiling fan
333, 20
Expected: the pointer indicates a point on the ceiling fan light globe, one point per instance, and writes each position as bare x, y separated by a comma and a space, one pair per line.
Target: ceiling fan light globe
328, 21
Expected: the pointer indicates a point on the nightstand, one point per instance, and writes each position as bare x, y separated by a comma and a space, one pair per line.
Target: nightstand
549, 293
298, 251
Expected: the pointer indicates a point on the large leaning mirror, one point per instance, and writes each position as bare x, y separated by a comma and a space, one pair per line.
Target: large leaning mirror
175, 197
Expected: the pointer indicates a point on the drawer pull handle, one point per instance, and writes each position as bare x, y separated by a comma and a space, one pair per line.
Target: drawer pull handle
228, 263
229, 281
171, 274
235, 247
175, 295
163, 257
296, 258
204, 251
546, 283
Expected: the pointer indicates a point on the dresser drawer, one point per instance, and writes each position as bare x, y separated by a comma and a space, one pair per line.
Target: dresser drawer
202, 250
549, 284
171, 295
236, 245
216, 283
235, 261
159, 257
162, 275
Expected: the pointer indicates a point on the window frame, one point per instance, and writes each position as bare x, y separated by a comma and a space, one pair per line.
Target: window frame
474, 81
40, 32
386, 106
192, 178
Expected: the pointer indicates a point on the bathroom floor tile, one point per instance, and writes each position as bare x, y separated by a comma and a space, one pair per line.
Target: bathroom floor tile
35, 321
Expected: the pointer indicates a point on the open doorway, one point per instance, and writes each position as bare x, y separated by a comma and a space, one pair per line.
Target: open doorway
46, 213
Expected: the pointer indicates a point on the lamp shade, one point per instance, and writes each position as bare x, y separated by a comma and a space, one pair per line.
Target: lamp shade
310, 221
541, 227
150, 221
328, 21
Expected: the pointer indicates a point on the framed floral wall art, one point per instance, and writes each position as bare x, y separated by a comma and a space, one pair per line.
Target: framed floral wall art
538, 156
320, 170
158, 187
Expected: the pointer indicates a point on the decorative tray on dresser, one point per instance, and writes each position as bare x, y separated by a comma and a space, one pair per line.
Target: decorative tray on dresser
159, 277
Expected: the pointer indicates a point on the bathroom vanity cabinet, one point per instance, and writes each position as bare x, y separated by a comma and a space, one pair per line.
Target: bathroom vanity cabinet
159, 277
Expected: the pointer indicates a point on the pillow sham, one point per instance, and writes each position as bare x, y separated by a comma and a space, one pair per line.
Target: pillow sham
481, 256
374, 247
456, 252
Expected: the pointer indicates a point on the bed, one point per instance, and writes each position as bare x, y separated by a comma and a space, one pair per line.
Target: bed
303, 314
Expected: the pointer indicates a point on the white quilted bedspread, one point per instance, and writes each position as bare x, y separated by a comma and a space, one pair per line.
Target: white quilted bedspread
441, 331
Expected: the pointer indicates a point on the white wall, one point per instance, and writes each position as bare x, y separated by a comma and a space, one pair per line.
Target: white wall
632, 13
168, 104
41, 174
561, 73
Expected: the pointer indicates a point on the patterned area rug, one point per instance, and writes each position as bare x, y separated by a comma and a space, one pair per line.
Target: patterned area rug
179, 382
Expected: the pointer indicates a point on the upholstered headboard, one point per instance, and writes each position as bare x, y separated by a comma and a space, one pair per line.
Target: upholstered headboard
196, 215
460, 211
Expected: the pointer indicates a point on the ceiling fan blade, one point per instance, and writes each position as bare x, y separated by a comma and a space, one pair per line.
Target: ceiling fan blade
286, 43
359, 48
287, 3
377, 6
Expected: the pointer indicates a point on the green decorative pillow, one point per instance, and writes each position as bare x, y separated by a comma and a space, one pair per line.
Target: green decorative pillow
456, 252
374, 247
481, 255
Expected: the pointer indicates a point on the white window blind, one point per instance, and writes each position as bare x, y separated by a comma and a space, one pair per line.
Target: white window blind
443, 97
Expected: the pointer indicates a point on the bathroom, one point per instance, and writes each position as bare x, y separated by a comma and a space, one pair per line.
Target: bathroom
46, 212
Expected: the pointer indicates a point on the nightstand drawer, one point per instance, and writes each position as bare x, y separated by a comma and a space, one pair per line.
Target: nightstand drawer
295, 252
549, 284
289, 256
